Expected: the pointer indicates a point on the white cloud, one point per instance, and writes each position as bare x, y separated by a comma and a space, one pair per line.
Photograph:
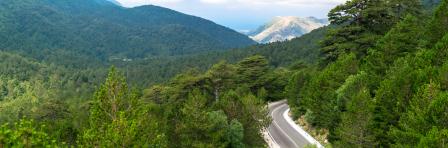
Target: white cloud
214, 1
165, 1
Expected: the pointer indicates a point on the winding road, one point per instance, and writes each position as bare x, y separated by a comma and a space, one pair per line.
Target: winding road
282, 133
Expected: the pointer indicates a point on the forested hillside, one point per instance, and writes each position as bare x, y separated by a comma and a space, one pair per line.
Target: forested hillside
223, 107
377, 77
151, 44
280, 54
382, 80
99, 31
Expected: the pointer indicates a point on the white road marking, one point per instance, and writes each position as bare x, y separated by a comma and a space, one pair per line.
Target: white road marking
271, 140
281, 130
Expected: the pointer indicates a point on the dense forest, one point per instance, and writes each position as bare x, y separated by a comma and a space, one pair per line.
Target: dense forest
152, 44
223, 107
280, 54
381, 81
100, 31
376, 77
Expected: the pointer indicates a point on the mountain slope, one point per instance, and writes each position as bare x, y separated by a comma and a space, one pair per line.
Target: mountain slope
303, 49
286, 28
98, 29
115, 2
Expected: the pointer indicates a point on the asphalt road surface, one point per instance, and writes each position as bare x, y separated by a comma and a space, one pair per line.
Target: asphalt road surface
281, 131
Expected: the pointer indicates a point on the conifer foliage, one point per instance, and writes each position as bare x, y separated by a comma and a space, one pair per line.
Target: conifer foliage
382, 82
392, 94
117, 118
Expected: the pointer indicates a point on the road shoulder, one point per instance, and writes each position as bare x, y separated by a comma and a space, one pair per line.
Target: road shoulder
307, 136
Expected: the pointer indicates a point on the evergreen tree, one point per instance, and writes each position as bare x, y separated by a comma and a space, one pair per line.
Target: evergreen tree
254, 116
320, 93
250, 112
356, 104
294, 91
275, 83
116, 118
251, 70
424, 124
361, 23
404, 38
27, 134
202, 128
441, 48
414, 123
236, 134
396, 90
439, 22
193, 126
222, 77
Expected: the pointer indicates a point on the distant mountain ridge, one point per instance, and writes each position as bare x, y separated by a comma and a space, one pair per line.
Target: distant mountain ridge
283, 28
98, 29
115, 2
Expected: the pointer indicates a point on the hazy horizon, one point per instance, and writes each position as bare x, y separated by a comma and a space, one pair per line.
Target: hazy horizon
243, 14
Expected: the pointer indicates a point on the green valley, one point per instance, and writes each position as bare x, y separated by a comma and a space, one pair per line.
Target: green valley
90, 73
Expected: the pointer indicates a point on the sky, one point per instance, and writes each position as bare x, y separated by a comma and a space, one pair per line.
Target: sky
243, 15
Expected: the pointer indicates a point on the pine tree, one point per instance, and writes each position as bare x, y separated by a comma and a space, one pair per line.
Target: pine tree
254, 117
320, 93
247, 110
404, 38
200, 128
25, 133
439, 22
251, 71
236, 134
441, 48
413, 124
361, 23
222, 77
424, 124
396, 91
294, 91
353, 129
274, 83
116, 119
